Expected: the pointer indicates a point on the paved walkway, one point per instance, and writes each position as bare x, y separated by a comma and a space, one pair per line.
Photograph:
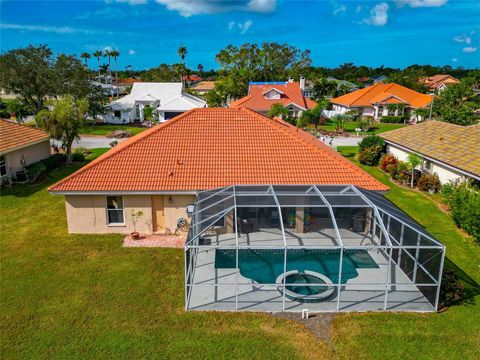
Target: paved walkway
343, 141
90, 142
165, 241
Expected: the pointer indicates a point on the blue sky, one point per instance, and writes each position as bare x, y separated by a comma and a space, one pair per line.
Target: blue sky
148, 32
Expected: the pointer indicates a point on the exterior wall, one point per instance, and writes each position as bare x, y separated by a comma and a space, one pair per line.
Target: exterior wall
125, 117
87, 214
32, 154
444, 174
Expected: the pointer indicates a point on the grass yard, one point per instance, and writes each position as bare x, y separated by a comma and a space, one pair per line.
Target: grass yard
84, 296
350, 127
105, 129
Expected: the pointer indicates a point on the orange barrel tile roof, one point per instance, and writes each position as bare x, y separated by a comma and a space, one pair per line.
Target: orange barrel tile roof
291, 93
15, 136
454, 145
208, 148
383, 93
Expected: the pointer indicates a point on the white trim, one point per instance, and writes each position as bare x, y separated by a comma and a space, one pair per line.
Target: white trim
120, 224
274, 89
128, 192
464, 172
25, 146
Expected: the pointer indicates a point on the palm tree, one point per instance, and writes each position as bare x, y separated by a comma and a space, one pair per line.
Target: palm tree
115, 54
108, 54
182, 52
277, 110
98, 54
200, 69
85, 56
413, 160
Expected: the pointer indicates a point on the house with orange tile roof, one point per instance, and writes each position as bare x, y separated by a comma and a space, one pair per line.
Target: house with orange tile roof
438, 82
160, 170
20, 146
262, 95
376, 100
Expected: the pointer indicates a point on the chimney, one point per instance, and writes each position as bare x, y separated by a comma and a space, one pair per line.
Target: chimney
302, 83
290, 79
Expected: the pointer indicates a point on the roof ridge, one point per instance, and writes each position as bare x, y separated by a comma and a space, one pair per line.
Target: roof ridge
121, 147
301, 135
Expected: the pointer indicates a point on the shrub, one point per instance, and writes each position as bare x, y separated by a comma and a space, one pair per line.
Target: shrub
35, 171
370, 141
370, 156
464, 200
54, 161
83, 150
452, 290
402, 171
388, 163
393, 119
430, 183
77, 157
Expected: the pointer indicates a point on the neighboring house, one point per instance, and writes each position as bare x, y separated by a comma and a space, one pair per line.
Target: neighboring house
160, 170
376, 101
108, 89
343, 84
125, 84
438, 82
262, 95
203, 87
167, 99
450, 151
20, 145
379, 79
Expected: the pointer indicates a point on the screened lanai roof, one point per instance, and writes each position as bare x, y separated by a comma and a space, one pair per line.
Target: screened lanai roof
213, 205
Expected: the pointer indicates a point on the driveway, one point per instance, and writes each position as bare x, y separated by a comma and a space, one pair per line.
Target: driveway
342, 141
90, 142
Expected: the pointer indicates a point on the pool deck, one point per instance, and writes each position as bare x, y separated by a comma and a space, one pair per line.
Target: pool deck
363, 293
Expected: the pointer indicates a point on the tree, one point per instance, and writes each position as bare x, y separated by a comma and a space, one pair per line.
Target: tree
182, 52
277, 110
200, 69
85, 56
457, 104
148, 113
323, 88
64, 121
19, 108
28, 72
162, 73
108, 54
413, 160
312, 116
115, 54
98, 54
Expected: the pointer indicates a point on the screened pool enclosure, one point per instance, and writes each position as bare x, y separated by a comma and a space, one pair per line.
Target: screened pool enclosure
317, 247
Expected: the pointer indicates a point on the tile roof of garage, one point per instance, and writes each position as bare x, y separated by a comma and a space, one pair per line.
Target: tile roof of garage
291, 93
14, 136
215, 147
454, 145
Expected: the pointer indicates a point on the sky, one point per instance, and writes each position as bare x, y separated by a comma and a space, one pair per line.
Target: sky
147, 33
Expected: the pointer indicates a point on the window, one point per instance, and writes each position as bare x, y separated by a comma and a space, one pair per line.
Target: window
117, 114
3, 166
292, 112
115, 210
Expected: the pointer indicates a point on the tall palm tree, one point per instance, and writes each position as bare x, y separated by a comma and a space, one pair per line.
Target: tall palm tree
85, 56
98, 54
200, 69
108, 54
115, 54
182, 52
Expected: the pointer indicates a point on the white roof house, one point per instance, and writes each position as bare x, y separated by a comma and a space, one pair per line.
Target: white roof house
167, 99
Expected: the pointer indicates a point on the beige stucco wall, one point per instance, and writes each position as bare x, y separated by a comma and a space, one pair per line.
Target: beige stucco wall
31, 154
88, 214
444, 174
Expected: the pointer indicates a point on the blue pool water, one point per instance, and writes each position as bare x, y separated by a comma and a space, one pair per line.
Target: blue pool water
265, 265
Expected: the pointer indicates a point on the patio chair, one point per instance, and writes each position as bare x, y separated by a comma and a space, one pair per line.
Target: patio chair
245, 226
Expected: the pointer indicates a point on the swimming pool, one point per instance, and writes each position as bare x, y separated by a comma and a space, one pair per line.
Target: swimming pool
265, 265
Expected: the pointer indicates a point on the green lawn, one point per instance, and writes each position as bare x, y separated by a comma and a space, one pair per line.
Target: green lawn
350, 127
84, 296
105, 129
454, 334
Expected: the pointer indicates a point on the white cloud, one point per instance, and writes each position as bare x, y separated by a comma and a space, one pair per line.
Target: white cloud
243, 27
454, 59
358, 9
339, 8
463, 39
49, 29
420, 3
262, 6
378, 15
188, 8
469, 49
132, 52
